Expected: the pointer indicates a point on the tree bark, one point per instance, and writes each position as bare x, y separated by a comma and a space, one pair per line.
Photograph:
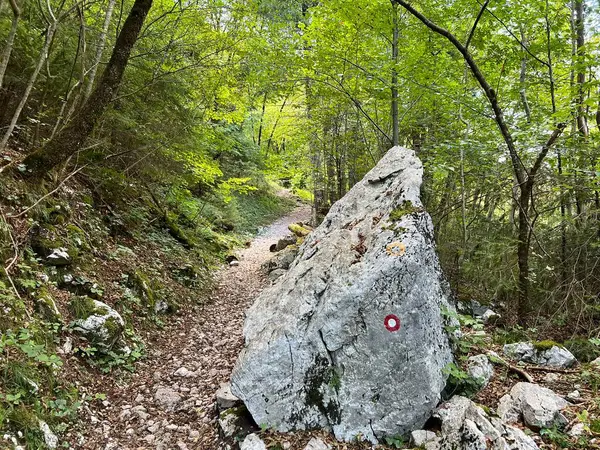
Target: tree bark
50, 30
582, 126
395, 38
99, 51
8, 46
71, 138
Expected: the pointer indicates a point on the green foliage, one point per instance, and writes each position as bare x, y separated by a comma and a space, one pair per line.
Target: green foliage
395, 441
585, 350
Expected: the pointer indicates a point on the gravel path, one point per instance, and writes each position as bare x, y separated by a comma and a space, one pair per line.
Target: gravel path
169, 402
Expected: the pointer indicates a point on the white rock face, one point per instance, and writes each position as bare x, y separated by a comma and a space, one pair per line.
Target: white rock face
539, 407
480, 368
253, 442
466, 426
553, 357
351, 338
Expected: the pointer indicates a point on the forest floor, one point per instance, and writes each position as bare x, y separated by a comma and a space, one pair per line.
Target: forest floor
168, 403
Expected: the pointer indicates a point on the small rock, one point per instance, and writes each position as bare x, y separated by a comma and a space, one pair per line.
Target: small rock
419, 438
183, 372
50, 438
554, 356
234, 263
167, 398
59, 257
150, 438
551, 377
577, 430
317, 444
253, 442
194, 435
225, 399
480, 368
574, 397
538, 406
139, 398
490, 317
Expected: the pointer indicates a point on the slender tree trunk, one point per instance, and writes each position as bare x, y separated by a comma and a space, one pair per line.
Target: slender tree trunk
8, 46
262, 120
523, 79
582, 126
71, 138
50, 30
395, 39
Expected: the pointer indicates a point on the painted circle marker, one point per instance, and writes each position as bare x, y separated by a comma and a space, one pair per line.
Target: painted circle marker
392, 323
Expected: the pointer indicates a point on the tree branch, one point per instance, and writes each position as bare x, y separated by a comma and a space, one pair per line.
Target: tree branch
472, 32
519, 169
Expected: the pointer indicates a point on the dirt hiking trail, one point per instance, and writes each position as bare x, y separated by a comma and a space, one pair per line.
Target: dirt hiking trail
168, 403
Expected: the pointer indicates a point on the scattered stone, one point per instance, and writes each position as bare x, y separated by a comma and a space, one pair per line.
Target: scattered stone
184, 373
253, 442
284, 242
419, 438
537, 406
490, 317
236, 422
225, 399
59, 257
577, 430
167, 398
574, 397
50, 438
97, 322
551, 377
194, 435
466, 426
234, 263
554, 356
480, 368
317, 444
323, 345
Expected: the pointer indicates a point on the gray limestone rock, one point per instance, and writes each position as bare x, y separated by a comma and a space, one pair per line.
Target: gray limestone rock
50, 439
276, 274
553, 357
317, 444
167, 398
419, 438
225, 399
539, 407
480, 368
59, 257
97, 322
466, 426
351, 338
253, 442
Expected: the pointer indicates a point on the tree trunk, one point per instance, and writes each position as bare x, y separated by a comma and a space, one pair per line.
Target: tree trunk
70, 139
582, 126
395, 119
41, 60
8, 46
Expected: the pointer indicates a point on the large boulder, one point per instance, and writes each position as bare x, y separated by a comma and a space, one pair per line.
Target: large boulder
352, 338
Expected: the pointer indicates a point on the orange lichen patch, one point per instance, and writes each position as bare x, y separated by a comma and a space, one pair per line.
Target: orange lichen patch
396, 249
